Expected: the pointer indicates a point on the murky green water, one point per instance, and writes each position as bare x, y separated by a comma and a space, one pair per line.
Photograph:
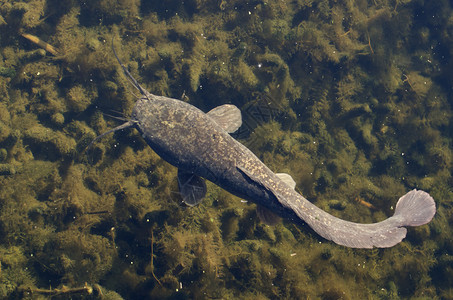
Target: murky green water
352, 98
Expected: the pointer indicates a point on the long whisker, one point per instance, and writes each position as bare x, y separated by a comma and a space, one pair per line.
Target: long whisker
128, 124
128, 75
116, 117
117, 112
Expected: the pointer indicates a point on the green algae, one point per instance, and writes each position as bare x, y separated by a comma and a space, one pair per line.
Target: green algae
361, 90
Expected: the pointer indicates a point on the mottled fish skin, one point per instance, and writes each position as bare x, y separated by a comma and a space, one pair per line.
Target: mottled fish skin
192, 141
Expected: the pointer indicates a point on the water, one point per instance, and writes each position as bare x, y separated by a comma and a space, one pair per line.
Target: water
352, 99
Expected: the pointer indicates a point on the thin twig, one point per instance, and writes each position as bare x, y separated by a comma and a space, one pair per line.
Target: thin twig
49, 48
152, 259
64, 290
369, 44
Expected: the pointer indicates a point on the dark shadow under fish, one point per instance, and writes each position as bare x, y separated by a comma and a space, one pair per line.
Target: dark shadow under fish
200, 146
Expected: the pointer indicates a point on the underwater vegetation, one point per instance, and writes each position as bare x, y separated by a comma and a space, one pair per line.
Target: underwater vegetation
352, 98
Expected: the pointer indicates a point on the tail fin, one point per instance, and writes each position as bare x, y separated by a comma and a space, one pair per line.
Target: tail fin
415, 208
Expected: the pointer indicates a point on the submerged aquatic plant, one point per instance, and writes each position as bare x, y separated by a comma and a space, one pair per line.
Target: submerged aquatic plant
349, 97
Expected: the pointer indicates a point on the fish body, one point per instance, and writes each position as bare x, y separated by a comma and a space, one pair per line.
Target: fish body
200, 146
192, 141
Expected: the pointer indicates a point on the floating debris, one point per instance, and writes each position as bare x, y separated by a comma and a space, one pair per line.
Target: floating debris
64, 290
49, 48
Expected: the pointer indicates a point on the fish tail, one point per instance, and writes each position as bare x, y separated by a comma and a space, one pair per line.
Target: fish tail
415, 208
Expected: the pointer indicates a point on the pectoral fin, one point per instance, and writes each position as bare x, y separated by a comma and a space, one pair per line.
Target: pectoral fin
227, 116
191, 187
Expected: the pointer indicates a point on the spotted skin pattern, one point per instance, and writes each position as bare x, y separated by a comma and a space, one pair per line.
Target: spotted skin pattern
194, 142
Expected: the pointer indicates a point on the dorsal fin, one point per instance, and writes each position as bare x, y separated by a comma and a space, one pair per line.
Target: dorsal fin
286, 178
